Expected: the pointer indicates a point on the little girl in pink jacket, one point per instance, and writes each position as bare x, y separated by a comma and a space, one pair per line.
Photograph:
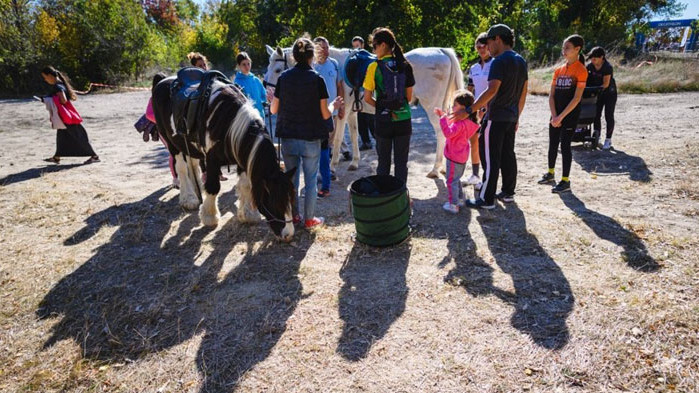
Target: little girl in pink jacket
457, 147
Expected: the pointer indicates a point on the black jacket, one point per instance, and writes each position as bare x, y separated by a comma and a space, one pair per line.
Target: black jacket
299, 92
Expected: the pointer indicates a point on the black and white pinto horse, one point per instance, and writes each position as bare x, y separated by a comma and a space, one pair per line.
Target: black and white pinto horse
235, 134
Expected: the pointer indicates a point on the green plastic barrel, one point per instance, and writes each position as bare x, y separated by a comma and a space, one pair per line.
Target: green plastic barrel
381, 209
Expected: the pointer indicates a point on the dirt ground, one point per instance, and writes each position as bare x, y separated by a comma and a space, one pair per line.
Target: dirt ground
107, 285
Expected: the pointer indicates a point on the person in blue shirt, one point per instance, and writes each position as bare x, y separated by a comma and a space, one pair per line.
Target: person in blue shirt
252, 86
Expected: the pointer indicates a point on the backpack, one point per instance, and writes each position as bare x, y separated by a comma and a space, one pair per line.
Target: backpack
393, 94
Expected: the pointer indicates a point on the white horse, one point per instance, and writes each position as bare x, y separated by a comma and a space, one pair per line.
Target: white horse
437, 76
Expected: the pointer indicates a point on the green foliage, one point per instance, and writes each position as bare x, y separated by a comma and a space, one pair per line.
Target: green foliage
116, 40
18, 40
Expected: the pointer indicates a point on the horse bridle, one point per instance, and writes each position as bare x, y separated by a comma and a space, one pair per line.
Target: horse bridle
286, 67
273, 219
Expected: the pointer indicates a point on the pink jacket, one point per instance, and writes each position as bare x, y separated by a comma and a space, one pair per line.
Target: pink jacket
457, 147
149, 111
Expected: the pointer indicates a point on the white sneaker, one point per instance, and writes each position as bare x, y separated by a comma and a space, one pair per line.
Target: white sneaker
607, 144
473, 180
450, 208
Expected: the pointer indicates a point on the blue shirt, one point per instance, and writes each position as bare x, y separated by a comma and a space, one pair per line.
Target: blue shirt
252, 87
330, 71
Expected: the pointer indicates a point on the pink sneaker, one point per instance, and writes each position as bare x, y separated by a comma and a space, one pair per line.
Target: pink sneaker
315, 221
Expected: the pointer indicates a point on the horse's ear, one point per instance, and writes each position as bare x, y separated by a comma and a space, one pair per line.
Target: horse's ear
270, 50
280, 52
290, 173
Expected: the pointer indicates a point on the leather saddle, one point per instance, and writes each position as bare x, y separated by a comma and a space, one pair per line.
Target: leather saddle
190, 99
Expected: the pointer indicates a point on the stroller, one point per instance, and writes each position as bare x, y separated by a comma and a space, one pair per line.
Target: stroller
588, 110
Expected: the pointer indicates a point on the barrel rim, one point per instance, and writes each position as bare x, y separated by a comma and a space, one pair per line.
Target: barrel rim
401, 189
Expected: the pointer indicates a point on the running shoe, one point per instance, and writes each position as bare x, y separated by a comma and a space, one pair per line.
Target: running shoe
607, 144
473, 180
547, 178
450, 207
314, 222
562, 186
479, 204
504, 197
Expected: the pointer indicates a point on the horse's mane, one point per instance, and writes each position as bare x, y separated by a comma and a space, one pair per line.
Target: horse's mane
229, 112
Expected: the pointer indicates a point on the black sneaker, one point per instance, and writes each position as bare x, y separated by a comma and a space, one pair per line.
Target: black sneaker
346, 156
548, 178
478, 204
504, 197
562, 186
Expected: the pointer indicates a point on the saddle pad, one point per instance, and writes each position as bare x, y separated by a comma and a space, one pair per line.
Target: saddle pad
356, 66
190, 95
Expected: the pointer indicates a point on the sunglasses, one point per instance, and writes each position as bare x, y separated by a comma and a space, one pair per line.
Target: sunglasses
480, 46
375, 44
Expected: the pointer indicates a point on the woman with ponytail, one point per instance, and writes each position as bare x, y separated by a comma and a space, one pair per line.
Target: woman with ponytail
567, 89
388, 86
71, 141
303, 121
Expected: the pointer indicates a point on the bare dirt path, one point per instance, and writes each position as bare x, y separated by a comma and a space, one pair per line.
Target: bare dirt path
107, 285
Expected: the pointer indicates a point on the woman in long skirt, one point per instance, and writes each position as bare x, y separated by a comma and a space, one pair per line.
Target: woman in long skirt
71, 141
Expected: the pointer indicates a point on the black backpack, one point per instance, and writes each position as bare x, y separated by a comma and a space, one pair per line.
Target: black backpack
393, 97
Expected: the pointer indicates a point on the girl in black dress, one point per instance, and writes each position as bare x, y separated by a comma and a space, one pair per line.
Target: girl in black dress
71, 141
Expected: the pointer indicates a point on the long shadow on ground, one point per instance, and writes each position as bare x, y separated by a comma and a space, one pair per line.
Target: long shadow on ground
34, 173
469, 271
635, 252
372, 297
611, 163
148, 289
543, 298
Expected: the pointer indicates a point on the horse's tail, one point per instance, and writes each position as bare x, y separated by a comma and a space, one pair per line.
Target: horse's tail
456, 77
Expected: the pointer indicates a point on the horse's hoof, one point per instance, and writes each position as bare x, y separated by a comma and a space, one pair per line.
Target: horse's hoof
249, 218
443, 171
209, 221
353, 167
433, 174
190, 204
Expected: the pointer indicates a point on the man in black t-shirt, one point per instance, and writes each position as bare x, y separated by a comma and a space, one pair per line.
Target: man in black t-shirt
504, 97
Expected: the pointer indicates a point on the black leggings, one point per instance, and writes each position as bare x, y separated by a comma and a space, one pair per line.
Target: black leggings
563, 136
606, 100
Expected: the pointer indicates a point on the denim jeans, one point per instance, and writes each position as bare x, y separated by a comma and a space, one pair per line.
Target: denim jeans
305, 155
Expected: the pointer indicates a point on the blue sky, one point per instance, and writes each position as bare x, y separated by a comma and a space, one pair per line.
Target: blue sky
692, 9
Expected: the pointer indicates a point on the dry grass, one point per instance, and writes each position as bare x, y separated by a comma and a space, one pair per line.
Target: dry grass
106, 285
663, 75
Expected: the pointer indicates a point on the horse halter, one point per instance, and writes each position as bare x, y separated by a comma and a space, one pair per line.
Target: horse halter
273, 219
286, 67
